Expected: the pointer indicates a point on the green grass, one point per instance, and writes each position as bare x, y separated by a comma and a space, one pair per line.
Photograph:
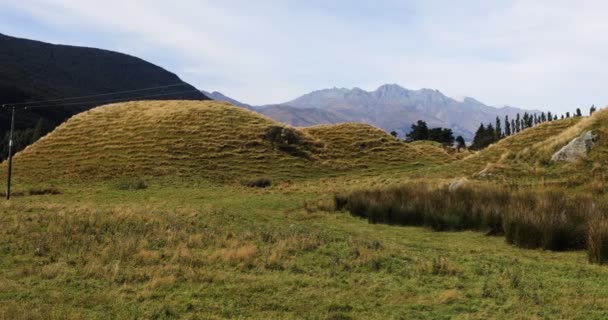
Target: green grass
201, 250
196, 244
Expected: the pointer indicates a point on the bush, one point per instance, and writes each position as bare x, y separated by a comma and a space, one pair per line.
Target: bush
289, 140
261, 182
131, 184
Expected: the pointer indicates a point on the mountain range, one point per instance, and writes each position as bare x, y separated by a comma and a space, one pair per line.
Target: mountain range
390, 107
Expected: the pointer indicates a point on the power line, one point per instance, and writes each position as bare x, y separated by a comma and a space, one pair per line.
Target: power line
111, 100
97, 95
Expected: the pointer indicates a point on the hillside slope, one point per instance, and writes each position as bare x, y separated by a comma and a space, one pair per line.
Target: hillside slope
206, 139
37, 71
526, 156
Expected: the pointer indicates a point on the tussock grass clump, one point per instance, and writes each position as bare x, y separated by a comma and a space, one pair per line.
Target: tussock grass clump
261, 182
597, 241
43, 191
548, 219
131, 184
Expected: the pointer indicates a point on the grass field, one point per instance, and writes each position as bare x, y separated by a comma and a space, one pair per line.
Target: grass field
151, 221
195, 250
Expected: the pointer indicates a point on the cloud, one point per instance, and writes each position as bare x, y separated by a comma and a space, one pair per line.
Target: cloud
536, 54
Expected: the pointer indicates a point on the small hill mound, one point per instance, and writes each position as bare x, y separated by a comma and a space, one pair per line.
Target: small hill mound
208, 139
153, 138
356, 145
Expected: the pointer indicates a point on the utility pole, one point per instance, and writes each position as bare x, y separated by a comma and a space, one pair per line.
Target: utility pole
10, 155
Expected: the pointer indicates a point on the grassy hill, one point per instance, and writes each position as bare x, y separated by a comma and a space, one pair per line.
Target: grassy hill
364, 146
208, 139
526, 157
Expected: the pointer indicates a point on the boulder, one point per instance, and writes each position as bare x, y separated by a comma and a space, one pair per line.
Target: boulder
577, 148
457, 184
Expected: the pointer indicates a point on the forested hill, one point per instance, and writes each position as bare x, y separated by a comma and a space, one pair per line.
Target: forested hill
35, 71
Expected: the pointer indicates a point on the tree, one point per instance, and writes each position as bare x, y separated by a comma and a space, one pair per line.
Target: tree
460, 144
578, 112
497, 130
442, 135
592, 109
507, 126
483, 137
420, 131
513, 127
517, 123
555, 117
478, 140
394, 133
567, 114
549, 116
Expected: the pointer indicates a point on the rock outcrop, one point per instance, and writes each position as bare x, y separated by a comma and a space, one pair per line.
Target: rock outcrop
577, 148
457, 184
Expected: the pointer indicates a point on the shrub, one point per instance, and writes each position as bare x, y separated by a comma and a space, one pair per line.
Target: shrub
290, 141
131, 184
261, 182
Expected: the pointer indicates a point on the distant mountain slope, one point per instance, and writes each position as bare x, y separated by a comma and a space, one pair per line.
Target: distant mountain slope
34, 71
218, 96
392, 107
301, 117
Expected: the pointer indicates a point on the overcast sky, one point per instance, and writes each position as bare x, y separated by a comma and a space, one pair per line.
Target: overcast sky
545, 54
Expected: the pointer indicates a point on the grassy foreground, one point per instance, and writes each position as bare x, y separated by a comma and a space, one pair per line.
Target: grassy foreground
198, 250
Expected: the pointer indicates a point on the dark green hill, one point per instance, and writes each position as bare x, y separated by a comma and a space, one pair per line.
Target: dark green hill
36, 71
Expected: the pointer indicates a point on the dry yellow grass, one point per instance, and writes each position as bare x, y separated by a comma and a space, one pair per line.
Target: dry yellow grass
502, 155
205, 139
356, 145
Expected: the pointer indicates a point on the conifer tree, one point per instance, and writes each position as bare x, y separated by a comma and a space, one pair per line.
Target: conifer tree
549, 116
478, 140
420, 131
592, 109
460, 144
507, 126
497, 130
578, 112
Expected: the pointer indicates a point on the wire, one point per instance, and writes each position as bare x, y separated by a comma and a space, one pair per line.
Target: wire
112, 100
96, 95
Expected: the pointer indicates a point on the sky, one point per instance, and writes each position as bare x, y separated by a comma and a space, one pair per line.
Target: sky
541, 54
